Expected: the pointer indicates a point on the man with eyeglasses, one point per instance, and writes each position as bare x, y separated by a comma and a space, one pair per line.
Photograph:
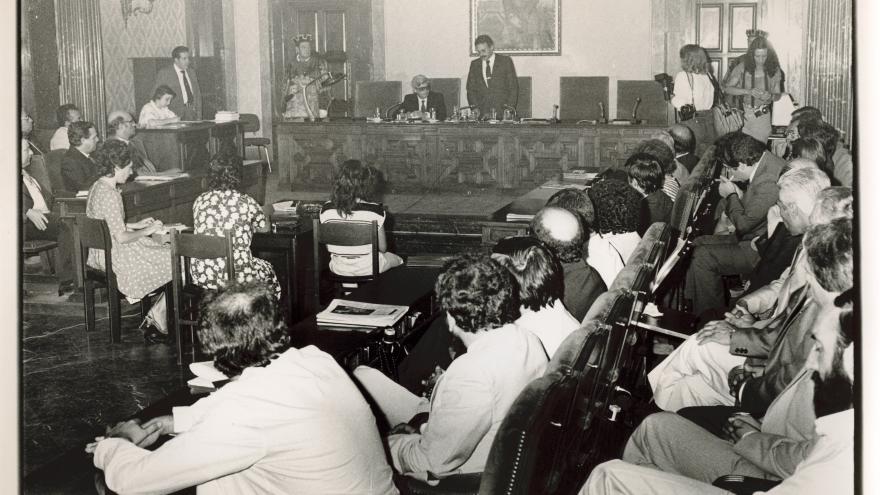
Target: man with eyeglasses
423, 100
121, 126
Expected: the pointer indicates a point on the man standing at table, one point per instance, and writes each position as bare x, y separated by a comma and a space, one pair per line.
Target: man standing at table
491, 83
179, 77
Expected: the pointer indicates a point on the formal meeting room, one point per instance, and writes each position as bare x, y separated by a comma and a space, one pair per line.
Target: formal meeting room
439, 246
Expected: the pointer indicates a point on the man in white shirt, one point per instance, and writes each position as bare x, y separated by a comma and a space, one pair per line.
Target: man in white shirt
66, 115
491, 83
181, 78
541, 287
683, 460
290, 421
473, 396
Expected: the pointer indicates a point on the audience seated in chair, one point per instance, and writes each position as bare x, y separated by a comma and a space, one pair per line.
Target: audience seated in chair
747, 367
646, 177
730, 251
565, 236
685, 145
290, 421
661, 147
805, 439
78, 168
615, 235
39, 223
66, 115
351, 201
838, 160
540, 278
471, 399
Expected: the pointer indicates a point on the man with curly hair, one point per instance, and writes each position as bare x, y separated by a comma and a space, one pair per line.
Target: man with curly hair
290, 421
471, 399
615, 234
560, 230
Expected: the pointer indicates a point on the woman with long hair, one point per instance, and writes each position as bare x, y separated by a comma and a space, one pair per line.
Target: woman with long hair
141, 265
223, 207
353, 189
757, 82
695, 95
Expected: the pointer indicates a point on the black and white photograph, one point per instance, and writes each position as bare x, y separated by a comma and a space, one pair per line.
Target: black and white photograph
380, 247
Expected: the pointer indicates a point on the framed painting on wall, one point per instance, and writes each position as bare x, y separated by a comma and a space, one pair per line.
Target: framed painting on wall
743, 16
709, 17
518, 27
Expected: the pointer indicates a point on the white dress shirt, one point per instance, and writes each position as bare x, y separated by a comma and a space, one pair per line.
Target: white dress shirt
608, 253
298, 425
182, 92
468, 404
552, 324
36, 192
423, 105
491, 65
59, 140
693, 89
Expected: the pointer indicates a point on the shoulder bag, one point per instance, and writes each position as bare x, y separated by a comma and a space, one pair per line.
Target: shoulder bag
727, 119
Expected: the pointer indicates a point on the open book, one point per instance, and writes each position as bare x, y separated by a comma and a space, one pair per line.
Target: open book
361, 314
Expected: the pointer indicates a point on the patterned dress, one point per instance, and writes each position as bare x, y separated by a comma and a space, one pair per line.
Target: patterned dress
299, 74
217, 211
141, 266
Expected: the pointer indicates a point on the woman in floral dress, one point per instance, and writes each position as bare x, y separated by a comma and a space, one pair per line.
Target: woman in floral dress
141, 264
223, 208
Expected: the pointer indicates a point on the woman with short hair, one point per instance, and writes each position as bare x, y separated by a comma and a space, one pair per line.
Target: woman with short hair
223, 207
156, 112
141, 265
353, 188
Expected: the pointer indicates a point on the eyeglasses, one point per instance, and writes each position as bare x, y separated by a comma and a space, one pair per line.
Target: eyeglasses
423, 88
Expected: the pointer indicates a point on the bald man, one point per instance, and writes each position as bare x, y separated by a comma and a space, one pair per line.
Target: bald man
562, 232
685, 146
121, 126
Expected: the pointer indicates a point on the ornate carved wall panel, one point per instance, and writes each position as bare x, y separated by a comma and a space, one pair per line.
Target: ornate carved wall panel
434, 155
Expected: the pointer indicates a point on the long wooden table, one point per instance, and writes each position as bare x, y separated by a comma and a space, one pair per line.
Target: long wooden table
428, 155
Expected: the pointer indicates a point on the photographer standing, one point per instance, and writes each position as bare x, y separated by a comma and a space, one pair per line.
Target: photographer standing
694, 95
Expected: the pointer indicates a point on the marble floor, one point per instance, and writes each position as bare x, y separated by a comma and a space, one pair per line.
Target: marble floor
75, 383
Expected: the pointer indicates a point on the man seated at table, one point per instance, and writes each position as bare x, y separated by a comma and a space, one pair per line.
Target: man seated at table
121, 126
39, 223
562, 232
423, 100
806, 438
539, 275
290, 421
472, 398
78, 170
66, 115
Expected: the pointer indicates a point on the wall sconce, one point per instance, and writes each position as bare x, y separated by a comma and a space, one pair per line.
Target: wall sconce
132, 8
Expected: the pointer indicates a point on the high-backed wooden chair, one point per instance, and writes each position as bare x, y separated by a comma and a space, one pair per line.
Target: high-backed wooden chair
524, 100
52, 162
183, 308
94, 234
343, 233
653, 109
579, 98
370, 95
451, 89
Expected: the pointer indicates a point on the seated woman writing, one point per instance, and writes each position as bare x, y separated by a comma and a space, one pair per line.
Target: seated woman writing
223, 207
141, 265
156, 112
353, 187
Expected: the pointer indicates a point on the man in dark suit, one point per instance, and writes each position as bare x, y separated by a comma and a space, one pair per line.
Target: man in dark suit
121, 126
39, 223
491, 83
179, 77
731, 251
78, 170
422, 99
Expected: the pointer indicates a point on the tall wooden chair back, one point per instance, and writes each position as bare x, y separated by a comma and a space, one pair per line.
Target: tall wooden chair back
185, 296
52, 162
343, 233
94, 234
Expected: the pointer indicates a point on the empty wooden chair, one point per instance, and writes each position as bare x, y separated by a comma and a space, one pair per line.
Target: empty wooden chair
251, 123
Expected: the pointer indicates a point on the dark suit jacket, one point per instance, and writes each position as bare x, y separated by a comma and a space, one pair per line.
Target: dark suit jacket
655, 207
749, 214
689, 161
776, 254
503, 88
78, 171
140, 161
168, 77
583, 285
435, 101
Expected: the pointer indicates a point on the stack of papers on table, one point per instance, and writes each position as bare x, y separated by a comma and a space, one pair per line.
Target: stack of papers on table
287, 206
579, 173
519, 217
161, 177
359, 314
206, 375
225, 116
82, 194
